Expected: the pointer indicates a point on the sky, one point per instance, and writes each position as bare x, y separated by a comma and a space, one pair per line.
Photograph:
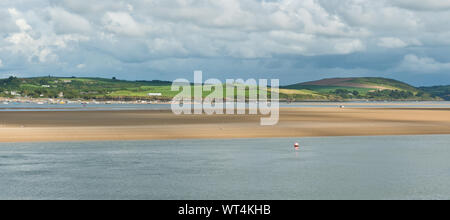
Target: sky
290, 40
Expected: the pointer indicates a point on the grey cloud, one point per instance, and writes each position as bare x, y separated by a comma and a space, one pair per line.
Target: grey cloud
65, 22
165, 35
8, 25
421, 5
414, 63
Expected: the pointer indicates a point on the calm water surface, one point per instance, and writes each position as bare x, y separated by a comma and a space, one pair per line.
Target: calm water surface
407, 167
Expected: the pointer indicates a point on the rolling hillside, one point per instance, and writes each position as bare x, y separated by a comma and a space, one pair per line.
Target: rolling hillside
363, 88
359, 84
336, 89
81, 88
106, 89
440, 91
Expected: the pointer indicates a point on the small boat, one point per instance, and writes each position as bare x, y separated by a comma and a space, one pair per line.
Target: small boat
5, 103
297, 146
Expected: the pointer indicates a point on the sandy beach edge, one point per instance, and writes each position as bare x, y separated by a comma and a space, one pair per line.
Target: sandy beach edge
130, 125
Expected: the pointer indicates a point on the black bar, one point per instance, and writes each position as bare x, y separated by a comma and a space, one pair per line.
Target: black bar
295, 210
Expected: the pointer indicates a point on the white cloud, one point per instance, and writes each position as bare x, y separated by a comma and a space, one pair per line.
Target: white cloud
415, 63
1, 63
62, 34
349, 47
13, 12
67, 23
81, 66
375, 16
423, 4
222, 28
36, 44
392, 42
122, 23
130, 7
23, 25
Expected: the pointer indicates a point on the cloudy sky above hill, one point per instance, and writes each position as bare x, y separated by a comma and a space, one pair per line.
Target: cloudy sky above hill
293, 40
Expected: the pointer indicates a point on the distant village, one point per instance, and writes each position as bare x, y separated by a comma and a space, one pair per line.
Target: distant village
63, 101
51, 90
20, 99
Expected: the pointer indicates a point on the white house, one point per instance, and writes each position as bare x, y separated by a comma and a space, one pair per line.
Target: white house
155, 94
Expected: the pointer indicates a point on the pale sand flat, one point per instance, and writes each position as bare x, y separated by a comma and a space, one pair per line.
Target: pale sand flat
163, 125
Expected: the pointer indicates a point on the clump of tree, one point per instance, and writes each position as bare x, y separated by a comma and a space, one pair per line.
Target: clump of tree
391, 95
438, 91
346, 94
11, 82
340, 94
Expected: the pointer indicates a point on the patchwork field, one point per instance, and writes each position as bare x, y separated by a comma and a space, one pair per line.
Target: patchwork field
323, 90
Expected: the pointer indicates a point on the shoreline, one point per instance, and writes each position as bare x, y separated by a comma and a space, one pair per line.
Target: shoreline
142, 101
222, 139
129, 125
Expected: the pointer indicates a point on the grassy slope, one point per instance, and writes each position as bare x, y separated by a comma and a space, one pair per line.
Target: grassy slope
389, 83
362, 85
326, 89
441, 91
367, 87
83, 87
100, 87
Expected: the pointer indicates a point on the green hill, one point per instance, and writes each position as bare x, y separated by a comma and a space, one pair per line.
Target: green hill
98, 88
82, 88
113, 89
363, 88
440, 91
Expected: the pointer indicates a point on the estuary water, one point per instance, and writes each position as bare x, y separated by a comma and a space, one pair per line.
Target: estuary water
401, 167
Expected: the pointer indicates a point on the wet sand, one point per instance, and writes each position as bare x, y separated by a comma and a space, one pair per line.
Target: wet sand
163, 125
